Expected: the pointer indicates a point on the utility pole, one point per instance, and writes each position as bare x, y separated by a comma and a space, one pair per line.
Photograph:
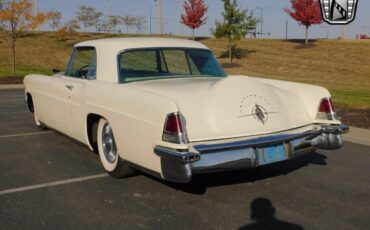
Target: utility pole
159, 16
286, 30
181, 25
109, 9
261, 9
36, 5
36, 8
150, 21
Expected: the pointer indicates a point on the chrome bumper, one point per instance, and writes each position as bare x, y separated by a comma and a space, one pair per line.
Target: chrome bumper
179, 166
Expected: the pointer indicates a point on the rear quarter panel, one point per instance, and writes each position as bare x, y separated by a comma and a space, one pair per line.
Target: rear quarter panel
309, 95
137, 119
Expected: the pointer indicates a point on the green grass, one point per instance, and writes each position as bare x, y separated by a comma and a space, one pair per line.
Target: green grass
22, 71
341, 66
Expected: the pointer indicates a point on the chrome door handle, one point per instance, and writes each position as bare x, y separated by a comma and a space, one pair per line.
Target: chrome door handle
70, 87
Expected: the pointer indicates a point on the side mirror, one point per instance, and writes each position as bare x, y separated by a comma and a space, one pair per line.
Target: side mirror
55, 71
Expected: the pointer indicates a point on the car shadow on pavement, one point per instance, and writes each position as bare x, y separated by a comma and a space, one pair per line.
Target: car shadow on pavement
263, 214
200, 183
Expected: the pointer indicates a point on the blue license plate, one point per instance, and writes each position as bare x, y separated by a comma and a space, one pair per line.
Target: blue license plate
271, 154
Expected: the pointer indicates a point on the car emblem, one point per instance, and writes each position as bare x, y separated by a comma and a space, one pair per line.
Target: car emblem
259, 113
338, 12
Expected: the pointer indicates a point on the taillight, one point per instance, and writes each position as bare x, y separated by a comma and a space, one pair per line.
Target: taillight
174, 131
173, 123
326, 110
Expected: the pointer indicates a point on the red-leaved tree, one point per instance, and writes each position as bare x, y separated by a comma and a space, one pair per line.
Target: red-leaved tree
306, 12
195, 10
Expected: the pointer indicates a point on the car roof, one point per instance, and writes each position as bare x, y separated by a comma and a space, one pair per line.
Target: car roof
119, 44
107, 51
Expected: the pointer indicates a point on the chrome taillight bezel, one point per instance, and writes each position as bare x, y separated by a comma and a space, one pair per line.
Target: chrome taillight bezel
330, 115
175, 137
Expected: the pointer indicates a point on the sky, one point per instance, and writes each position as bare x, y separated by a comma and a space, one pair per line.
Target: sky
274, 16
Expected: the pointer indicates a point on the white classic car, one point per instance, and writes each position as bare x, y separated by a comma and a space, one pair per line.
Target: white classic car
165, 106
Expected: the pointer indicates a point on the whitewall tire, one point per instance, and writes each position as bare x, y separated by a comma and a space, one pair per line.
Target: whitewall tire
38, 123
108, 153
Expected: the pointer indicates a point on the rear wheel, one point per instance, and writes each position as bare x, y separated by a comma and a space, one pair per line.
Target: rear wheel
109, 157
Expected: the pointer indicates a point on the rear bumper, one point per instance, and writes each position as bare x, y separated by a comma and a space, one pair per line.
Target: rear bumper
180, 166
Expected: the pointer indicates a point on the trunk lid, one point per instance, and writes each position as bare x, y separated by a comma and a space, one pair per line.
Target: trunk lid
236, 106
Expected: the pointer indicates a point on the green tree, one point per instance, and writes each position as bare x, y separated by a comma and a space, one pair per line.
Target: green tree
235, 25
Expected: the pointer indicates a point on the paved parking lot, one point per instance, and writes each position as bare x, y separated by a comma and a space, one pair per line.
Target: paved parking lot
50, 182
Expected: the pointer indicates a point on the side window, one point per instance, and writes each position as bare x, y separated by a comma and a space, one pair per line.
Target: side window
83, 63
176, 62
136, 65
144, 61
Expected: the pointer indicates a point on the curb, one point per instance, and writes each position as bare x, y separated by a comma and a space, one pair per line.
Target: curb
358, 136
12, 86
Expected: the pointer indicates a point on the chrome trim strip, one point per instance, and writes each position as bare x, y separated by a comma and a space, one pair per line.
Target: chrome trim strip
257, 142
337, 129
172, 154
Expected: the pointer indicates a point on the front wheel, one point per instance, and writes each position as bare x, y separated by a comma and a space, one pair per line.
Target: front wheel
108, 153
31, 108
38, 123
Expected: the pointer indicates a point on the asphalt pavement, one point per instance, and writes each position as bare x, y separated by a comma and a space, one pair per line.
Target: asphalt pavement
48, 181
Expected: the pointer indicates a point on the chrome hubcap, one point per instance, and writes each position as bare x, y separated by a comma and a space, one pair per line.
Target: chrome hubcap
109, 145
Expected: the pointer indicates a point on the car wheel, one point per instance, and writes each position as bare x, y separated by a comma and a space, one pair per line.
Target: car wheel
31, 108
38, 123
109, 157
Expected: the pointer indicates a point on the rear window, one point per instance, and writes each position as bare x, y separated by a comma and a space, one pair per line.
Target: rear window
162, 63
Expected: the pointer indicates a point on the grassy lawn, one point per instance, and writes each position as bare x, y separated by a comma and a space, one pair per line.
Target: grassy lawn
341, 66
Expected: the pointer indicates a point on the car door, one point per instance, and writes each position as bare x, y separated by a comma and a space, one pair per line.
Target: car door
52, 103
81, 71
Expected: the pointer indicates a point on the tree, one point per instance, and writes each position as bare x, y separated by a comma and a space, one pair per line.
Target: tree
73, 25
235, 25
62, 33
17, 18
128, 21
113, 21
95, 19
306, 12
86, 15
139, 23
195, 10
54, 18
1, 8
